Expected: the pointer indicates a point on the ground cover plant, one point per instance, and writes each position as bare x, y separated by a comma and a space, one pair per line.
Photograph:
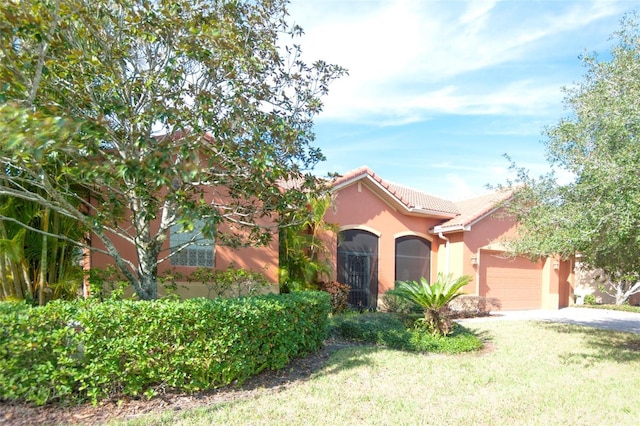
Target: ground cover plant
623, 307
398, 331
534, 373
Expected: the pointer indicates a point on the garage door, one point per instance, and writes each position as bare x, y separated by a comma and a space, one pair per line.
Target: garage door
516, 282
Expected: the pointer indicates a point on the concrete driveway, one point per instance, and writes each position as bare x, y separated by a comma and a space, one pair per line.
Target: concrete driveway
600, 318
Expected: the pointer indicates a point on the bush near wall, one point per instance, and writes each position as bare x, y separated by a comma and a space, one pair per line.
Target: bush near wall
66, 352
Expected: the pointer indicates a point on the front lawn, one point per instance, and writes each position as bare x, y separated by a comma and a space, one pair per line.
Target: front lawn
529, 373
624, 307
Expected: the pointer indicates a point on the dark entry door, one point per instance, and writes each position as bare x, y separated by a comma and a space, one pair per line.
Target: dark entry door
358, 267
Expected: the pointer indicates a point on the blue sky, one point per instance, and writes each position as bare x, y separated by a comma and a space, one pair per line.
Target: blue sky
438, 91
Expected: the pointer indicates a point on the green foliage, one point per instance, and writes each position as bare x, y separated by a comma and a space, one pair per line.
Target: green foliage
88, 86
433, 298
597, 214
589, 299
304, 258
26, 271
389, 330
624, 307
107, 283
393, 303
230, 282
376, 328
91, 350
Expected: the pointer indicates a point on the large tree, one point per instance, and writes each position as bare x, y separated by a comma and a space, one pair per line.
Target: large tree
121, 113
596, 215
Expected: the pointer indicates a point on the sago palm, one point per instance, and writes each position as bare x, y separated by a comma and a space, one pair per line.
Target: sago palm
433, 298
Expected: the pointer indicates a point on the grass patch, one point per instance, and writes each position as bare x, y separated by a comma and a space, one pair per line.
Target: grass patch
624, 308
390, 330
537, 373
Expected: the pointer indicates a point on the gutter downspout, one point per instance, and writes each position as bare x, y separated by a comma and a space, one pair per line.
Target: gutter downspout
446, 248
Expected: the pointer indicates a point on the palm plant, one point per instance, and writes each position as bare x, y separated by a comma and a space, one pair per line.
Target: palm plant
34, 266
433, 298
304, 255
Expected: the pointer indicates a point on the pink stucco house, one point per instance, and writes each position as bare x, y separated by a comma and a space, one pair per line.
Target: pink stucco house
390, 232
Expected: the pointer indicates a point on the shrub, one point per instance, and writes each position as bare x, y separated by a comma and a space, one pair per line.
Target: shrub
377, 328
339, 295
389, 330
107, 283
394, 303
230, 282
433, 298
90, 350
589, 299
467, 306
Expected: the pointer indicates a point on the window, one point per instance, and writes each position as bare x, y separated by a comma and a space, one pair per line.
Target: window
191, 248
413, 258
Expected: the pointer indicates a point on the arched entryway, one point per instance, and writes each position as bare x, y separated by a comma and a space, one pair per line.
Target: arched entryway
358, 266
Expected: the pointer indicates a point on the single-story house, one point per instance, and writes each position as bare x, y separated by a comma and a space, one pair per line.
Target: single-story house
390, 232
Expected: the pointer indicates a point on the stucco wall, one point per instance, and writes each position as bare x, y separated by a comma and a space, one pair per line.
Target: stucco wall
258, 259
489, 232
465, 245
356, 207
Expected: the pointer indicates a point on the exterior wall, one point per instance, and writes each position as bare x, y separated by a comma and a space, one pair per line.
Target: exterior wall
557, 276
486, 232
450, 259
550, 296
258, 259
356, 207
566, 283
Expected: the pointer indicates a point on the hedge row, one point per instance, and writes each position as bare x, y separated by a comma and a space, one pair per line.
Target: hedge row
74, 351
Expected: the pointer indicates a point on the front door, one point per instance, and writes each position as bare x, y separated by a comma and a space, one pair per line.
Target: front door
358, 267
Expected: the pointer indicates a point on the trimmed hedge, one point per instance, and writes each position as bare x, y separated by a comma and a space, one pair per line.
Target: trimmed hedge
74, 351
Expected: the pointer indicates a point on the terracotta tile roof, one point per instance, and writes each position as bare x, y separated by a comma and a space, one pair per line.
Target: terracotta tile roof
412, 199
475, 208
419, 199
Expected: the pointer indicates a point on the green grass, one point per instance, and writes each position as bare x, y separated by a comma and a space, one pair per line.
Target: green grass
531, 373
625, 308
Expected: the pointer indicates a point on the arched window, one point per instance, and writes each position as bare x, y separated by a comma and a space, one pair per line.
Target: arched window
413, 258
358, 266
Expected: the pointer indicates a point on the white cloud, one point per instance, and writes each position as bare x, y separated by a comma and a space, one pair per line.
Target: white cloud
409, 59
477, 11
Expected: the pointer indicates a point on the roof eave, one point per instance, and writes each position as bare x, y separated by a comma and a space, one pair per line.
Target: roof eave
413, 211
431, 213
449, 229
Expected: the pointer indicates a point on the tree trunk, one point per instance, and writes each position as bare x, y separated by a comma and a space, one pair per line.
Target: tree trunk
7, 290
438, 320
147, 270
622, 293
52, 272
43, 259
